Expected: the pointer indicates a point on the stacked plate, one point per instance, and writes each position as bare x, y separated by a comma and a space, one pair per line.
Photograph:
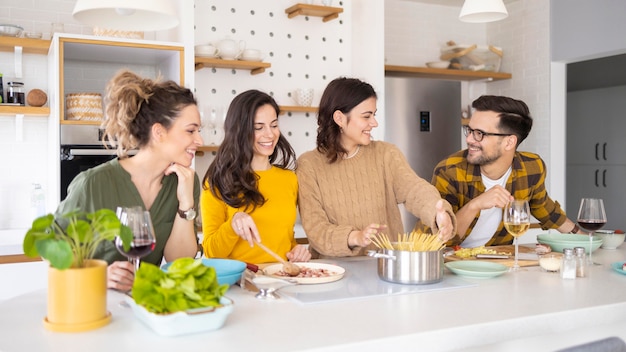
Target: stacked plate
559, 241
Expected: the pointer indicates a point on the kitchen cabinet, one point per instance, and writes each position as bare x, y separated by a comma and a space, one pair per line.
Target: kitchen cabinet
86, 63
327, 13
596, 158
255, 67
29, 46
442, 73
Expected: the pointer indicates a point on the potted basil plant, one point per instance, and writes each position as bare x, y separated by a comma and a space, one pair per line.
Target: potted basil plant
77, 284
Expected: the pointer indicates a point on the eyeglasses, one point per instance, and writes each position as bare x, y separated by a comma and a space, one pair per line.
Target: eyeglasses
479, 135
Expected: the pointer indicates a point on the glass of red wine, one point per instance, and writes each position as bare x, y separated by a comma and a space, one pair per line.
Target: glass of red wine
140, 224
591, 217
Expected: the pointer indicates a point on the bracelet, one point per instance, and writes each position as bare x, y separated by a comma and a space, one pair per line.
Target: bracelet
575, 229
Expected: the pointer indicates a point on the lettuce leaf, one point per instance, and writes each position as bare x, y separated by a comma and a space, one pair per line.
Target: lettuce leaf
187, 284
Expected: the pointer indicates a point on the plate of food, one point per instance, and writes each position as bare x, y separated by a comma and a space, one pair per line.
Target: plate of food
477, 269
310, 273
620, 267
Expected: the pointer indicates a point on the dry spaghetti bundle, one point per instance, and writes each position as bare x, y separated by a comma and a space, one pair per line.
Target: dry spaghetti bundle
413, 242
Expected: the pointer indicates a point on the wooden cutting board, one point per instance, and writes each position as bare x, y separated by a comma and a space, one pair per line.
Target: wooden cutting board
508, 262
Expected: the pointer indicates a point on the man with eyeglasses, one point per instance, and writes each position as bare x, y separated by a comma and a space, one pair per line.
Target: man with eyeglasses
480, 180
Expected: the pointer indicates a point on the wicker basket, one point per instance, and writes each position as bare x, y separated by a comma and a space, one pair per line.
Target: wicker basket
84, 107
473, 57
105, 32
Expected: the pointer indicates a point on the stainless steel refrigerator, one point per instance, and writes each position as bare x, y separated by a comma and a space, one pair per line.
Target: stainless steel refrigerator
423, 118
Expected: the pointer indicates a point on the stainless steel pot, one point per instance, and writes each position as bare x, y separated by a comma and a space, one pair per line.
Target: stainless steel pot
406, 267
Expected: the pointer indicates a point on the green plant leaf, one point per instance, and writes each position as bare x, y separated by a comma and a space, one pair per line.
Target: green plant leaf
58, 252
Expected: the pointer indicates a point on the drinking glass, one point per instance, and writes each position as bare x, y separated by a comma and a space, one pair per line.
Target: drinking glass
591, 217
516, 219
140, 224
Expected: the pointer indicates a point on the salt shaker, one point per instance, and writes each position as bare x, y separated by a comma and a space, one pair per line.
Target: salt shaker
581, 263
568, 268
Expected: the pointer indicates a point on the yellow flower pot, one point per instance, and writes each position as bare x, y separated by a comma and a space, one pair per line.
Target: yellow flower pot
77, 298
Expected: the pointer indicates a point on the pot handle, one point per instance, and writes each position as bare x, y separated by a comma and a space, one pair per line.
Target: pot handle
380, 255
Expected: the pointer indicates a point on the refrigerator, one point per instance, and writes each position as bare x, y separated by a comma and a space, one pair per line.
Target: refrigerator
422, 118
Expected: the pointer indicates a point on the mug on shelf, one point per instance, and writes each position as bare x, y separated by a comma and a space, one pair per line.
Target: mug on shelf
303, 97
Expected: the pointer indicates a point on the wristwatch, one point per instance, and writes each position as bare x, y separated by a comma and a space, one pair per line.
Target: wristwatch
187, 214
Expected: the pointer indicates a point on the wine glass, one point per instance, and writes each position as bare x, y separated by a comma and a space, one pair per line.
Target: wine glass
591, 217
140, 224
516, 219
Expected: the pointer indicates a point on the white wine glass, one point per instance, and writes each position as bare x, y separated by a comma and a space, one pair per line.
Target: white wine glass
516, 219
143, 241
591, 217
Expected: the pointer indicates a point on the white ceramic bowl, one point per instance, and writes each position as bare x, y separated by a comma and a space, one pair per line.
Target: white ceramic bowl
205, 50
438, 64
610, 239
182, 323
10, 30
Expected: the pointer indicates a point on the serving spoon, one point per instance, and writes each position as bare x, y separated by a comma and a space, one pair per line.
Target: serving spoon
290, 268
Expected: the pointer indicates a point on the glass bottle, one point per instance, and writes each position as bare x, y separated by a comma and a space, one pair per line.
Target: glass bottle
568, 268
37, 201
15, 93
581, 263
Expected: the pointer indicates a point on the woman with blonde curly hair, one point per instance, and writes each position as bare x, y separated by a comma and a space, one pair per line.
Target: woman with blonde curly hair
160, 120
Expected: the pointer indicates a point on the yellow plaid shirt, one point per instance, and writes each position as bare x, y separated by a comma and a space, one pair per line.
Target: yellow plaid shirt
459, 182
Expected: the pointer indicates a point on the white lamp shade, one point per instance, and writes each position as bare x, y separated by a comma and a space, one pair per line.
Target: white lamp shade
127, 15
480, 11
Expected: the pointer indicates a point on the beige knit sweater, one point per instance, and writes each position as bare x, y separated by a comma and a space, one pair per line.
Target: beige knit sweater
335, 199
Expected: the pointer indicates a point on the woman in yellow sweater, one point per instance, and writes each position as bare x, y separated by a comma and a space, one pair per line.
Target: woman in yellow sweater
350, 186
250, 191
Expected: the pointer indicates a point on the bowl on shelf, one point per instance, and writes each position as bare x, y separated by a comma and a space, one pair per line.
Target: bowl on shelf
10, 30
610, 239
228, 271
560, 241
438, 64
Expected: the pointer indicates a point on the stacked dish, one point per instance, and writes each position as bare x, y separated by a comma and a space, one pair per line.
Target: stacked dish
228, 271
560, 241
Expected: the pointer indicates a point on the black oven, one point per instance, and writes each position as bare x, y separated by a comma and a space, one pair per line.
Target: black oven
76, 158
82, 149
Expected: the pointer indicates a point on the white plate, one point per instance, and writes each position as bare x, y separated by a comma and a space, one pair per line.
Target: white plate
271, 270
477, 269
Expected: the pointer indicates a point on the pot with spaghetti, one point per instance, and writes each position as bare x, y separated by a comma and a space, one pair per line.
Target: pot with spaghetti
416, 258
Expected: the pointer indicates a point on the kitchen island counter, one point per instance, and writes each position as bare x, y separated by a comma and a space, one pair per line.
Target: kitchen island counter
528, 310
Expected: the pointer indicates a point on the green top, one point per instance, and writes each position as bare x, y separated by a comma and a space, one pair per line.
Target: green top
109, 186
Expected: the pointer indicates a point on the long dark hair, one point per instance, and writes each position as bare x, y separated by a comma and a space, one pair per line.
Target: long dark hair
514, 114
230, 176
341, 94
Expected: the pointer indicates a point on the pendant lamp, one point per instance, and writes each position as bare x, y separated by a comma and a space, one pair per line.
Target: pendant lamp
481, 11
127, 15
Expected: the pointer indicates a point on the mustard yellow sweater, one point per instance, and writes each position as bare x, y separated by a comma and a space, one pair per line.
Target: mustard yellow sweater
274, 220
335, 199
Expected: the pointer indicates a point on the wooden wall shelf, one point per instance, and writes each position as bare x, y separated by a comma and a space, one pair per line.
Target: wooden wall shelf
255, 67
29, 46
327, 13
297, 108
442, 73
24, 110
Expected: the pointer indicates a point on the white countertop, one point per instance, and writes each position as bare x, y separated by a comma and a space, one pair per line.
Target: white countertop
528, 310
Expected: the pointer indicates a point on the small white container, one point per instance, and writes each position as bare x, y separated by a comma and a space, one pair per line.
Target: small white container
610, 239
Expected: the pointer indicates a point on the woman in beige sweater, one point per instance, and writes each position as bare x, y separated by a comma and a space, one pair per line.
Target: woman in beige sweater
350, 186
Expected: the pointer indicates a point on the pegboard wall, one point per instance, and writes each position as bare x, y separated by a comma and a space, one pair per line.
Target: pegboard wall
304, 52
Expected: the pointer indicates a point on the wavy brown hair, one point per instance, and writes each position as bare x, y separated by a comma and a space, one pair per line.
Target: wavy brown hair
230, 176
514, 114
341, 94
134, 104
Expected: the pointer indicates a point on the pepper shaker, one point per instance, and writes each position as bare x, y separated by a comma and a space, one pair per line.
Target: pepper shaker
568, 268
581, 263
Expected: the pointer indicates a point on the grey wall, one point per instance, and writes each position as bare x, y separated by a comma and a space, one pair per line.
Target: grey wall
587, 29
